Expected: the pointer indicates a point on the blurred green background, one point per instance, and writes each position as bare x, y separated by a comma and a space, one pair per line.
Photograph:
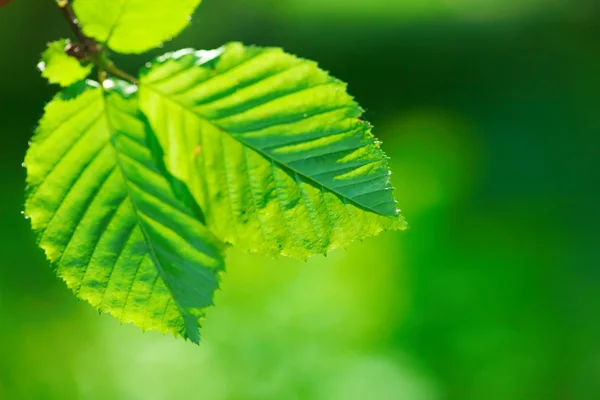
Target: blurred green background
490, 111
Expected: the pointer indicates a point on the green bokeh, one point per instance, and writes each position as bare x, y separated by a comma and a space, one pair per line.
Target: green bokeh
490, 114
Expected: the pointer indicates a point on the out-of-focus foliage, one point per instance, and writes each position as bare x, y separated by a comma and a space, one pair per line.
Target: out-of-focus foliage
493, 292
407, 10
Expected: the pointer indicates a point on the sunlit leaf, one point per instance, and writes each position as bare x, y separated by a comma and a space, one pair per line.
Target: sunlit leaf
59, 67
272, 147
108, 218
134, 26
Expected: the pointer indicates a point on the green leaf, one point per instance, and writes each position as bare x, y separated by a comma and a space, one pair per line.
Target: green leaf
272, 148
108, 218
134, 26
59, 67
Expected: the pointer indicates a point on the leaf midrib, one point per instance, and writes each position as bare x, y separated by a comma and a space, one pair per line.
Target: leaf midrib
137, 212
244, 143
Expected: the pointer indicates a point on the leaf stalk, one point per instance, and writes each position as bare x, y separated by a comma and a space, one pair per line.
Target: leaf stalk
88, 48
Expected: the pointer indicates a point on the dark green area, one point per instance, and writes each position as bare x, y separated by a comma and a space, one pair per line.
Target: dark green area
492, 122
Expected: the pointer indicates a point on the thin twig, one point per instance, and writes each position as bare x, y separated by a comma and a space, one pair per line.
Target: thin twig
67, 10
93, 49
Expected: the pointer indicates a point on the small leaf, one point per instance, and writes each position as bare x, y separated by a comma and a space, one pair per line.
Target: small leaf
134, 26
272, 148
107, 216
60, 68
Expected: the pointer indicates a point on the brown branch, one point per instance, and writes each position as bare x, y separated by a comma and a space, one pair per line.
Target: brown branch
67, 11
